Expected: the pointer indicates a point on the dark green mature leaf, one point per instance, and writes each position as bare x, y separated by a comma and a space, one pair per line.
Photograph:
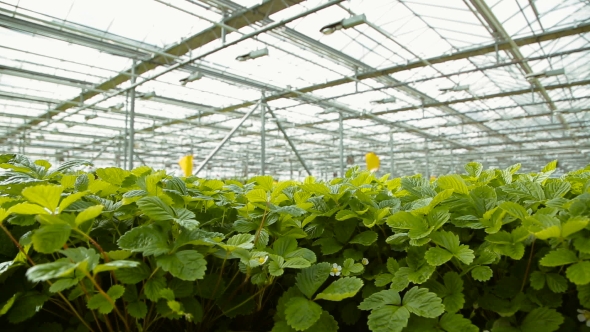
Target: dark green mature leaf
456, 323
556, 282
133, 275
381, 299
145, 239
153, 287
365, 238
63, 284
388, 319
579, 273
482, 273
542, 320
423, 303
326, 323
454, 299
186, 265
341, 289
437, 256
302, 313
137, 309
25, 306
584, 295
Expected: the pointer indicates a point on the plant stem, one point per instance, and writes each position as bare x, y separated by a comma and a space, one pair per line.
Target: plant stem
95, 244
528, 266
261, 225
108, 298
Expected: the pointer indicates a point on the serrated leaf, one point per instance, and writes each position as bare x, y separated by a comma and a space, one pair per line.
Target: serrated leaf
423, 303
365, 238
284, 245
47, 196
474, 169
71, 198
456, 323
541, 320
116, 291
153, 287
63, 284
464, 254
515, 210
137, 309
244, 241
454, 300
25, 209
326, 323
388, 319
551, 166
559, 257
579, 273
296, 263
537, 280
556, 283
584, 295
115, 265
25, 307
345, 214
185, 265
88, 214
46, 271
482, 273
51, 238
341, 289
437, 256
133, 275
144, 239
100, 303
573, 225
257, 196
453, 181
302, 313
381, 299
155, 208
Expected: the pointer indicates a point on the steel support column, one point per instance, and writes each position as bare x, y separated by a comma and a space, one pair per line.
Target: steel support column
280, 126
225, 139
262, 135
341, 148
392, 162
132, 118
427, 150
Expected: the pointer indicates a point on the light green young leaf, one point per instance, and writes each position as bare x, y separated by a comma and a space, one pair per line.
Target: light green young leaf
573, 225
381, 299
551, 166
453, 181
474, 169
365, 238
302, 313
46, 271
388, 319
47, 196
559, 257
482, 273
257, 196
311, 278
67, 201
90, 213
423, 303
514, 209
51, 238
341, 289
115, 265
345, 214
579, 273
24, 208
542, 320
185, 265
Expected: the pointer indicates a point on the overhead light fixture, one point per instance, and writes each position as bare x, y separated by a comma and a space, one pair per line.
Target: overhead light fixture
148, 95
192, 77
546, 73
456, 88
385, 101
253, 55
344, 24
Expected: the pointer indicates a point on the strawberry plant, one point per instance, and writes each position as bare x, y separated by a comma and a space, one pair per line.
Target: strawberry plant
141, 250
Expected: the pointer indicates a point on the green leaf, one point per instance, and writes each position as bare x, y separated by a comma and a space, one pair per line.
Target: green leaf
98, 301
437, 256
116, 291
551, 166
341, 289
329, 245
541, 320
155, 208
46, 271
137, 309
453, 181
88, 214
454, 300
257, 196
244, 241
186, 265
26, 306
345, 214
584, 295
515, 210
153, 287
311, 278
47, 196
115, 265
26, 209
418, 227
559, 257
284, 245
112, 175
579, 273
423, 303
302, 313
388, 319
455, 322
537, 280
474, 169
51, 238
63, 284
145, 239
365, 238
582, 244
573, 225
296, 263
67, 201
326, 323
381, 299
482, 273
133, 275
557, 283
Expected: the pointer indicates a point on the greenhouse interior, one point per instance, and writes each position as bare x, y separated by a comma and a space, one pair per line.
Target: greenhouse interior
291, 88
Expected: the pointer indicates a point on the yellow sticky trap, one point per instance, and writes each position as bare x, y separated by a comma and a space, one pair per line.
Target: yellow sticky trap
186, 164
372, 162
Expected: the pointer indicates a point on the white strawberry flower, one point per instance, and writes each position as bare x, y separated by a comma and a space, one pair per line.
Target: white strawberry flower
262, 259
365, 261
583, 316
335, 271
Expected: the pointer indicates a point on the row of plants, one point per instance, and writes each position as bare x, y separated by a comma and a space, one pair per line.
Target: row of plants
140, 250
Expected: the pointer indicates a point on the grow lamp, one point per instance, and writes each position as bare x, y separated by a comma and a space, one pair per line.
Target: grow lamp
344, 24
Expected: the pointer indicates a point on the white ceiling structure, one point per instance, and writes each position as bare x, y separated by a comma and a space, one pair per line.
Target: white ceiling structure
427, 85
